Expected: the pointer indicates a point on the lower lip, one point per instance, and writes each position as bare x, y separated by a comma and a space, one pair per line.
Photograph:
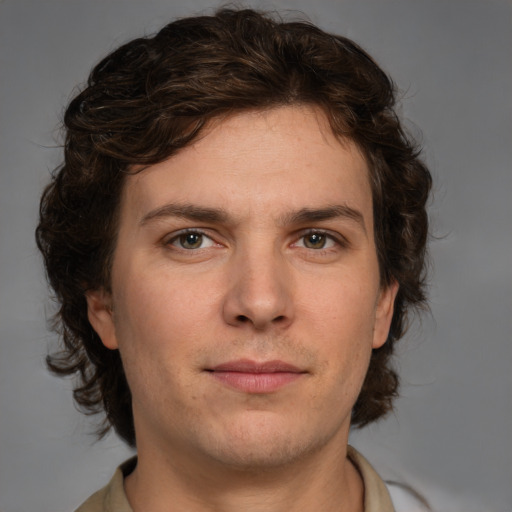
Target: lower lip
256, 382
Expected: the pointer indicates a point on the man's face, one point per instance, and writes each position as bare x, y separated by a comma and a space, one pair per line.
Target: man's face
246, 297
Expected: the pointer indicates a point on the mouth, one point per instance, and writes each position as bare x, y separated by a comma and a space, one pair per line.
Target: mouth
256, 378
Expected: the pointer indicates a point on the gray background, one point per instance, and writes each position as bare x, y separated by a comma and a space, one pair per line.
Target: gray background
451, 434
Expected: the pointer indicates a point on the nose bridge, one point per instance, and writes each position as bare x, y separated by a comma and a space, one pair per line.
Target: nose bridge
260, 287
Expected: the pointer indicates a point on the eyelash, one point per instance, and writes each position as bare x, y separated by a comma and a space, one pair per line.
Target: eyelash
176, 237
337, 239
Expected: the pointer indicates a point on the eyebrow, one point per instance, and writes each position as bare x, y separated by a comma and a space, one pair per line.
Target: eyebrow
186, 211
306, 215
218, 215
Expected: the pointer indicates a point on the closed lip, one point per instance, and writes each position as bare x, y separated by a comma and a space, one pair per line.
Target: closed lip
250, 366
253, 377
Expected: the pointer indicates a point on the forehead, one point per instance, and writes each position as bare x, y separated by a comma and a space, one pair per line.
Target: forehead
259, 163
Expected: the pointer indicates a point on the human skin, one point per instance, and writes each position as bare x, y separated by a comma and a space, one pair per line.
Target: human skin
277, 265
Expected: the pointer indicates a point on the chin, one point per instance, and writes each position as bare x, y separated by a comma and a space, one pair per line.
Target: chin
260, 458
264, 446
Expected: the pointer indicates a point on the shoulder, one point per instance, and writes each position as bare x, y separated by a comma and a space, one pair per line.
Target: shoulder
112, 497
406, 499
376, 495
386, 496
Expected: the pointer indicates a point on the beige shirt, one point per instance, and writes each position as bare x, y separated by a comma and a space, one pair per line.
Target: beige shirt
112, 497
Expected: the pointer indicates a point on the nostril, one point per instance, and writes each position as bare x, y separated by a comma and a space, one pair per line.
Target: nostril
260, 322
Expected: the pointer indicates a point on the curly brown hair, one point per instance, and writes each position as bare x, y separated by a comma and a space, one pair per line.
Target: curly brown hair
153, 96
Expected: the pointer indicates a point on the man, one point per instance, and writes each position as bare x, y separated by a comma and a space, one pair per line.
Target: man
235, 238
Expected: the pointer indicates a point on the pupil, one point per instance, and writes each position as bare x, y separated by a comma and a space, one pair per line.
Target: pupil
191, 240
315, 241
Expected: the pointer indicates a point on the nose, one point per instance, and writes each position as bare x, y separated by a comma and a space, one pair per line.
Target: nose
260, 292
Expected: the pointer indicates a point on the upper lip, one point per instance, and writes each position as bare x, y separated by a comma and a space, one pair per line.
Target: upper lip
249, 366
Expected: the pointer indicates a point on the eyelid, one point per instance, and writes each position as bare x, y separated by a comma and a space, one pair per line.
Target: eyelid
338, 238
175, 235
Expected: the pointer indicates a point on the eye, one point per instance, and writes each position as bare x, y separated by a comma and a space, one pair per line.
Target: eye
316, 240
191, 240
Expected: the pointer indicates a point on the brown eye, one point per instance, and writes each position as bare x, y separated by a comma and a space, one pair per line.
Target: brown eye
192, 240
315, 240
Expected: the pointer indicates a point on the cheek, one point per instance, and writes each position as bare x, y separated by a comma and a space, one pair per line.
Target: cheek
152, 294
345, 309
157, 330
341, 327
165, 313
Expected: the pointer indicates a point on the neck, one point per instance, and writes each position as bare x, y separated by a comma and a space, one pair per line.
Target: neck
325, 480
